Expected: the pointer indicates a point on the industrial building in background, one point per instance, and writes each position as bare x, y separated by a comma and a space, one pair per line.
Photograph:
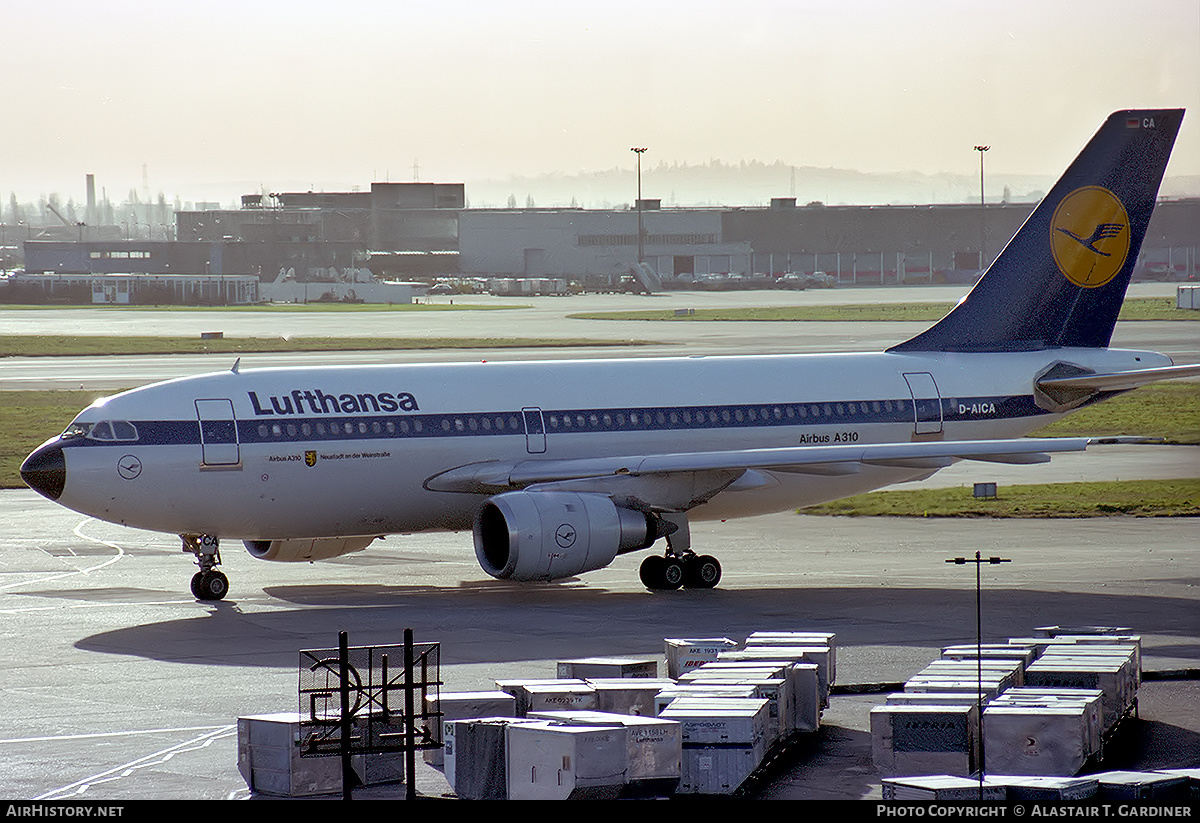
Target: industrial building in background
398, 240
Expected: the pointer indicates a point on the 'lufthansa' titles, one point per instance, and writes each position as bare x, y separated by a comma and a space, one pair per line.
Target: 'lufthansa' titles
316, 401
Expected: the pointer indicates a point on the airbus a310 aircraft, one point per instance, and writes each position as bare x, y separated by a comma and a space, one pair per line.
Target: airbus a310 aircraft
560, 466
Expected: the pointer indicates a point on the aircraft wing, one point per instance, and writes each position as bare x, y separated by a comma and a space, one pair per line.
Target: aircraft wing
676, 481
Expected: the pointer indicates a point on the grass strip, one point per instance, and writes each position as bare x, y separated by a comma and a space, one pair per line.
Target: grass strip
1135, 308
1138, 498
1170, 411
28, 418
282, 308
14, 345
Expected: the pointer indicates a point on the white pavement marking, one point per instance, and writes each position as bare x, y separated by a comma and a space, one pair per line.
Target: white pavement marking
197, 743
120, 554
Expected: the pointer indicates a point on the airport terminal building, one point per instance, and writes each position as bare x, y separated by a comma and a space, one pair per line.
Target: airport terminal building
426, 231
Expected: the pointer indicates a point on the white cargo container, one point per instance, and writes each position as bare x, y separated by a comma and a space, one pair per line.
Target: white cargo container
269, 758
772, 689
1141, 786
925, 739
932, 699
1024, 656
822, 656
802, 710
1123, 651
717, 770
810, 639
464, 705
1036, 740
723, 742
628, 695
565, 696
1087, 631
941, 788
1044, 789
1192, 776
804, 638
475, 760
784, 706
1113, 677
1009, 673
933, 683
721, 721
520, 689
742, 691
588, 668
773, 668
685, 654
1040, 644
805, 679
551, 761
654, 745
1089, 698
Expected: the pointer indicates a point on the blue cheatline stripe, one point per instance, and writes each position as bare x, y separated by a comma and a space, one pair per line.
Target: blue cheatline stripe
282, 429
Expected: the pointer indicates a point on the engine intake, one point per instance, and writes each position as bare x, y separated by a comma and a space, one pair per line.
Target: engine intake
549, 535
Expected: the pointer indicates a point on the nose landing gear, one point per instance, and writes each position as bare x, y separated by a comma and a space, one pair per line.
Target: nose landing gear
208, 583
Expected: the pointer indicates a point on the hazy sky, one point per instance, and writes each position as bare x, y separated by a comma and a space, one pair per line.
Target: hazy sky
221, 97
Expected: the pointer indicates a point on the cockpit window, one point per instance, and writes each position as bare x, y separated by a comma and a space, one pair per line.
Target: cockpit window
77, 430
123, 430
112, 430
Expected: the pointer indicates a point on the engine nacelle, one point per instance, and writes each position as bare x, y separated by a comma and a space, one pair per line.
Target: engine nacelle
307, 549
547, 535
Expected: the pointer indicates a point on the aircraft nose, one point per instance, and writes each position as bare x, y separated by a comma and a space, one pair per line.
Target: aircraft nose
45, 471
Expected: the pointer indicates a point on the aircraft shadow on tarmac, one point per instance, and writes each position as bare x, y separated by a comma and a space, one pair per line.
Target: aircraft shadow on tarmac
503, 623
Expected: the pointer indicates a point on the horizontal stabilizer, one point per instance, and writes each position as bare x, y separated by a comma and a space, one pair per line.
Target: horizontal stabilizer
1120, 381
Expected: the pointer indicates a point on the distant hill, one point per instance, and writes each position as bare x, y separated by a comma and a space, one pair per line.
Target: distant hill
754, 183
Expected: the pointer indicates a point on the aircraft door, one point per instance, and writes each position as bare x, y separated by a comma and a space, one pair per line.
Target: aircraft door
218, 433
927, 403
535, 430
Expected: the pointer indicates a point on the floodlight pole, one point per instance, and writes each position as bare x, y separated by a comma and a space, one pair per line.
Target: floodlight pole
982, 207
639, 152
979, 560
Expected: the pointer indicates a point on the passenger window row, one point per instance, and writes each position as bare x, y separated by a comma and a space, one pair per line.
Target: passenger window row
587, 420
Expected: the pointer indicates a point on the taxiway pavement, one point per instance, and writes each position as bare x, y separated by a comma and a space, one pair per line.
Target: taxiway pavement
119, 685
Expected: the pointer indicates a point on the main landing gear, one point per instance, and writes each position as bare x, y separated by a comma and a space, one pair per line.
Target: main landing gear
208, 583
679, 566
692, 571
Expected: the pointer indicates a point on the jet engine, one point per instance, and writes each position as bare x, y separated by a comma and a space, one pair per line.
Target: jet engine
525, 535
303, 550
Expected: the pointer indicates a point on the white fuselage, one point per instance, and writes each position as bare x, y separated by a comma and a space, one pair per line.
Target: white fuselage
318, 452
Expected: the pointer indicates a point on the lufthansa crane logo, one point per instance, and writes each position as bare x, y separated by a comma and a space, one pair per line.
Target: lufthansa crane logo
1089, 236
565, 535
129, 467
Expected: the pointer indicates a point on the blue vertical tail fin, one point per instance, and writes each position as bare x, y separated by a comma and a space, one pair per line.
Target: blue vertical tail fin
1061, 280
